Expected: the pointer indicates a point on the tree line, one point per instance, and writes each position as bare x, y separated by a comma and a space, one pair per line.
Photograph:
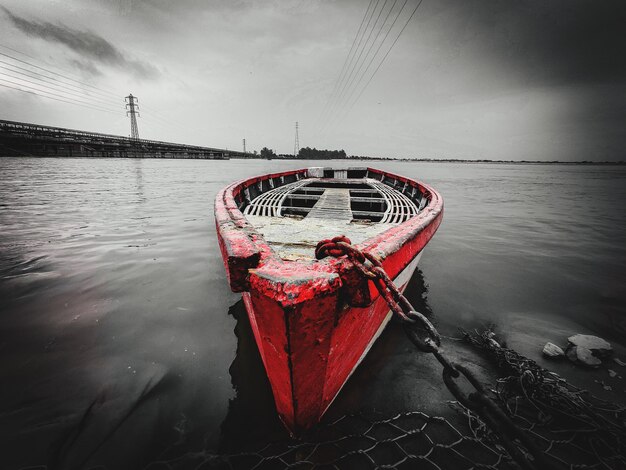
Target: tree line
307, 153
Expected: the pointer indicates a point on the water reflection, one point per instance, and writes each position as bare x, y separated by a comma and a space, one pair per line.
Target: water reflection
392, 360
111, 423
111, 263
252, 416
138, 164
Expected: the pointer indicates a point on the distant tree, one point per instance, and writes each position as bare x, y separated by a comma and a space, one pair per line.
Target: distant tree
315, 154
267, 153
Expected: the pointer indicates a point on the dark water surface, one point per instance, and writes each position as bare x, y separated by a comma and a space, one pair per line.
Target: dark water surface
116, 319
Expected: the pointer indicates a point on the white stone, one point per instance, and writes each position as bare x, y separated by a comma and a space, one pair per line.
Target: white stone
593, 343
586, 357
492, 342
552, 350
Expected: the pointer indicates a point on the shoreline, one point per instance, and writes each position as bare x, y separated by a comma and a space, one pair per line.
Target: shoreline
449, 160
355, 159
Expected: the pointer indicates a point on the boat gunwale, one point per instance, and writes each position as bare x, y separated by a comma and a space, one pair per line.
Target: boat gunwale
244, 248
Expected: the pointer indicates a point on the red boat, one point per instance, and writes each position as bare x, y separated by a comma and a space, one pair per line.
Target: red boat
315, 320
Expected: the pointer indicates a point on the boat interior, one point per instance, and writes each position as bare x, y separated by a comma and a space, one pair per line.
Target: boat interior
295, 211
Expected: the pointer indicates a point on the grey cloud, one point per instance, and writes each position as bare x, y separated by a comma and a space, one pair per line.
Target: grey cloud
86, 66
84, 43
555, 42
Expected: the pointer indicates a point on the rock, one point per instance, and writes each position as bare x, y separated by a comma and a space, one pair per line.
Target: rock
598, 346
582, 356
552, 350
585, 356
612, 373
493, 343
571, 354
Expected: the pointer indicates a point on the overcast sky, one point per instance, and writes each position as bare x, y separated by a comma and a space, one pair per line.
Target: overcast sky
513, 80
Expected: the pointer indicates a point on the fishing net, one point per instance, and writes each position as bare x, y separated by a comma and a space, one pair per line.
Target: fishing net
571, 427
366, 441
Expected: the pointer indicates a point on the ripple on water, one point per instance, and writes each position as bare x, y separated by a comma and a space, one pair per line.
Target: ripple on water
112, 286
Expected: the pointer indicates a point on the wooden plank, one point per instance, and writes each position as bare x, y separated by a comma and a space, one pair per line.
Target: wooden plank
364, 191
304, 197
373, 200
333, 204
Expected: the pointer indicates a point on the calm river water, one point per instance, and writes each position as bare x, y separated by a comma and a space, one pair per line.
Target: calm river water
116, 319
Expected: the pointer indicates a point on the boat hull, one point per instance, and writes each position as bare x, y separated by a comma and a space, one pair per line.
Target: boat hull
314, 320
304, 385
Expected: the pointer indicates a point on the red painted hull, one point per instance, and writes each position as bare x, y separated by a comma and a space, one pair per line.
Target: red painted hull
310, 327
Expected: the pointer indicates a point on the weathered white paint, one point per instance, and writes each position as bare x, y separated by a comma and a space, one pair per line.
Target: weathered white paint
315, 172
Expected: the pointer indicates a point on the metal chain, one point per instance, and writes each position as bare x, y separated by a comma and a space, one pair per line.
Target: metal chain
423, 334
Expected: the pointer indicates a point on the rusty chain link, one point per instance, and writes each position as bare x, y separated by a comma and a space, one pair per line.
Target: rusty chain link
423, 334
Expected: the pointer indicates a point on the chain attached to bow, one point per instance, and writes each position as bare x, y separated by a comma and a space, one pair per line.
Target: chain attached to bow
423, 334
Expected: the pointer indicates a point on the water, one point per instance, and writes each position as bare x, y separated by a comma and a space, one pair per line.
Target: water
113, 296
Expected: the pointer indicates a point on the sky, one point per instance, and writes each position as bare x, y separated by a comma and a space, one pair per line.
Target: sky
486, 79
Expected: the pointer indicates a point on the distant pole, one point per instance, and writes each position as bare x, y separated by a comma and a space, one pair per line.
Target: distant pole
296, 144
132, 104
244, 145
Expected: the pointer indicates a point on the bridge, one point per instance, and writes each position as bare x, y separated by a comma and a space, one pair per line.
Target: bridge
25, 139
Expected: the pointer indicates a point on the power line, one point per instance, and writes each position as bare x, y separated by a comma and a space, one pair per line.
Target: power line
68, 100
52, 72
93, 93
385, 57
54, 81
153, 111
157, 116
45, 86
53, 93
353, 90
53, 98
345, 62
109, 92
152, 123
347, 87
349, 82
358, 80
349, 108
350, 62
151, 120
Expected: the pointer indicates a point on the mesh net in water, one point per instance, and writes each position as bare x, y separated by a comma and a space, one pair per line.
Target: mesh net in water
407, 440
572, 428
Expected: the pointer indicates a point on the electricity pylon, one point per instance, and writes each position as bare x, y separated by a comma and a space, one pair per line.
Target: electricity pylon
133, 111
